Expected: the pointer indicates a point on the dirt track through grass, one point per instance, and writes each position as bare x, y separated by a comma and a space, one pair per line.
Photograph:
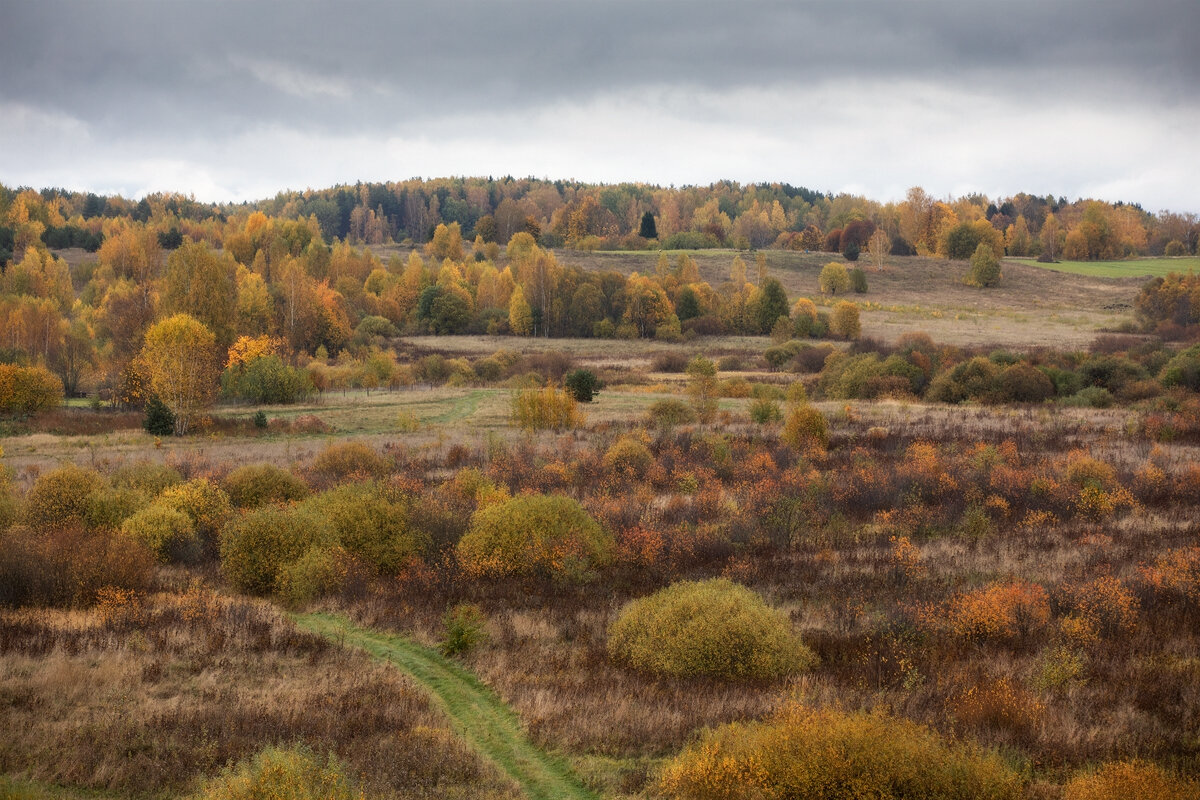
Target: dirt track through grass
480, 717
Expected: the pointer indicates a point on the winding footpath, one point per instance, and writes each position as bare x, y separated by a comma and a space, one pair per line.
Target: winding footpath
478, 715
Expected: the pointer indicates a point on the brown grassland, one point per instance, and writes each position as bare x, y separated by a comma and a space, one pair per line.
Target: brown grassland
1025, 577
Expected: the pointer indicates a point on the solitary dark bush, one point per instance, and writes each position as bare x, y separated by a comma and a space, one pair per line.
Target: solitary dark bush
1023, 383
713, 628
159, 420
582, 384
858, 281
835, 755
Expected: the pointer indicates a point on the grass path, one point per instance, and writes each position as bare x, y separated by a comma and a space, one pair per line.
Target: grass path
480, 717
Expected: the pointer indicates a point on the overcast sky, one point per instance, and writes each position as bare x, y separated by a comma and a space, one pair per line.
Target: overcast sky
238, 100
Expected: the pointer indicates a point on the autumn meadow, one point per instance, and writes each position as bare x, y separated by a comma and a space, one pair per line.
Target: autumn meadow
477, 488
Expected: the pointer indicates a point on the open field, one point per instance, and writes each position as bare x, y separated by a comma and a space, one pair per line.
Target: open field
1130, 268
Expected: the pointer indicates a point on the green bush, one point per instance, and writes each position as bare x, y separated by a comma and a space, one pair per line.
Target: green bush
256, 545
985, 267
465, 627
666, 413
1089, 397
320, 571
834, 755
765, 412
858, 281
582, 384
713, 628
834, 278
370, 522
1183, 370
257, 484
169, 534
60, 497
1023, 383
266, 380
159, 420
108, 507
532, 534
150, 477
292, 773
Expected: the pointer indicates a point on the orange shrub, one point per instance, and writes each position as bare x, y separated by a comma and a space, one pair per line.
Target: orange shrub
998, 703
1003, 610
1105, 602
1126, 780
1177, 572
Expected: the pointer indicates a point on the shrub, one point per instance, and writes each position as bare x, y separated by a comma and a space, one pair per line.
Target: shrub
545, 409
1090, 397
292, 773
548, 534
858, 281
203, 501
1002, 610
851, 250
628, 456
582, 384
834, 279
169, 534
1129, 779
68, 565
159, 420
844, 322
973, 379
835, 755
256, 484
260, 419
464, 628
1023, 383
109, 507
28, 390
266, 380
60, 497
806, 429
371, 522
350, 459
713, 628
671, 361
258, 544
666, 413
320, 571
765, 412
150, 477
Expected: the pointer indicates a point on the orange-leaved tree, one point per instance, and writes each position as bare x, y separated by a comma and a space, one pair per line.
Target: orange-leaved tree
179, 357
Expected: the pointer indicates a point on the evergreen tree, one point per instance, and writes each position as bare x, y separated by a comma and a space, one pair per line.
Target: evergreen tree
159, 419
648, 229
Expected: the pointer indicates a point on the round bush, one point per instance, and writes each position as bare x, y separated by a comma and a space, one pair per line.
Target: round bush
628, 456
1024, 383
169, 534
834, 278
350, 459
202, 500
833, 755
108, 507
806, 428
548, 534
319, 572
258, 544
671, 412
715, 628
60, 497
256, 484
370, 523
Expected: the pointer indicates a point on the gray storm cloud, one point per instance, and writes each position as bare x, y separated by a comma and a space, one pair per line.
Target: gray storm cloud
90, 88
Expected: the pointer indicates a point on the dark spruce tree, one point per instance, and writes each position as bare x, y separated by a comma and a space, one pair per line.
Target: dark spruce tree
159, 419
648, 229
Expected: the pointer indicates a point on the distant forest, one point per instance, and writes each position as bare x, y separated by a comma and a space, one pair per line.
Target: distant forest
294, 278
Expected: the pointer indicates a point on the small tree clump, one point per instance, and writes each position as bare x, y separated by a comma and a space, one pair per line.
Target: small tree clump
582, 384
858, 281
257, 484
835, 755
834, 279
851, 251
530, 534
714, 628
985, 267
765, 412
320, 571
28, 390
806, 429
703, 387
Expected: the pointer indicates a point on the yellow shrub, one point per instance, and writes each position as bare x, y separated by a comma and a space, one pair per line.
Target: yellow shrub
716, 628
258, 544
146, 476
806, 429
320, 571
255, 484
60, 497
293, 773
202, 500
831, 755
546, 409
370, 522
534, 533
169, 534
340, 461
628, 456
